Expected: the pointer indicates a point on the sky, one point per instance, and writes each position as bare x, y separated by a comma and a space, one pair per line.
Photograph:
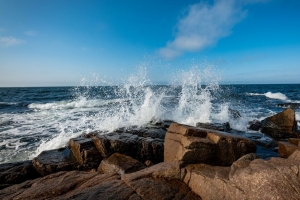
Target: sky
75, 42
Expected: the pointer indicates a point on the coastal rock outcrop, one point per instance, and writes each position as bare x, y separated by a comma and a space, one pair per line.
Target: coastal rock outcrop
258, 179
196, 145
13, 173
285, 149
119, 164
281, 125
140, 148
49, 162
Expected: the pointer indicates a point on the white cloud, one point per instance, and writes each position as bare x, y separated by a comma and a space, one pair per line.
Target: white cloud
10, 41
31, 33
203, 25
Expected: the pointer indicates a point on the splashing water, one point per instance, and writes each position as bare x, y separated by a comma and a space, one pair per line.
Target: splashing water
54, 115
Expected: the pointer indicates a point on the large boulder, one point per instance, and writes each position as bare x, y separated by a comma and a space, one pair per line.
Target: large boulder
285, 149
197, 145
140, 148
281, 125
85, 152
119, 164
49, 162
18, 172
247, 178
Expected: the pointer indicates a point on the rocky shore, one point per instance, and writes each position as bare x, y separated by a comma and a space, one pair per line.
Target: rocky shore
164, 160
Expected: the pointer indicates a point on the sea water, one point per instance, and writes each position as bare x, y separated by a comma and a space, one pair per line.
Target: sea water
42, 118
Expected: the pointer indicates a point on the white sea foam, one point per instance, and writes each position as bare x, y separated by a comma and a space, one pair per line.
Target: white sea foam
271, 95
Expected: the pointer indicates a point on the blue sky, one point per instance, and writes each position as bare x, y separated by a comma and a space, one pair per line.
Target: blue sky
60, 42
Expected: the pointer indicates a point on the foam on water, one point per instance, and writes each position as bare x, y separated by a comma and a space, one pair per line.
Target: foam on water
276, 95
193, 96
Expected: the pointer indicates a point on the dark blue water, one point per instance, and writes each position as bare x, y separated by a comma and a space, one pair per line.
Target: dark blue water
37, 119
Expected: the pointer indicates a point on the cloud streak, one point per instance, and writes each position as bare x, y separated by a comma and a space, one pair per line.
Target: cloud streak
31, 33
203, 25
10, 41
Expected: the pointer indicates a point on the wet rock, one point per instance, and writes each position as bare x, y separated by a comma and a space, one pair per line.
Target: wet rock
254, 125
151, 149
123, 143
18, 172
196, 145
289, 105
119, 164
285, 149
140, 148
234, 114
215, 126
85, 152
281, 125
49, 162
230, 147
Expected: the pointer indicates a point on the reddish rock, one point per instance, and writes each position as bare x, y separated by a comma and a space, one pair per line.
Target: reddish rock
230, 147
281, 125
195, 145
294, 141
186, 130
277, 178
188, 149
119, 164
160, 181
285, 149
85, 152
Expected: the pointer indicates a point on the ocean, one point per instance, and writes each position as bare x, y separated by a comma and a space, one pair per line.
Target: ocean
34, 119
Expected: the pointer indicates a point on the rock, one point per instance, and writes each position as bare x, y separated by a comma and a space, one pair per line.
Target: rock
49, 162
254, 125
150, 149
85, 152
289, 105
157, 182
234, 114
276, 178
196, 145
140, 148
74, 185
18, 172
188, 149
281, 125
230, 147
215, 126
119, 164
285, 149
160, 181
294, 141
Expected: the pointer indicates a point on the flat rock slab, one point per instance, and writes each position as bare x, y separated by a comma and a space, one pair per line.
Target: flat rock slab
18, 172
49, 162
92, 185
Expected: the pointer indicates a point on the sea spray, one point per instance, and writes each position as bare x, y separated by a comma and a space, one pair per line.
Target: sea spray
37, 119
